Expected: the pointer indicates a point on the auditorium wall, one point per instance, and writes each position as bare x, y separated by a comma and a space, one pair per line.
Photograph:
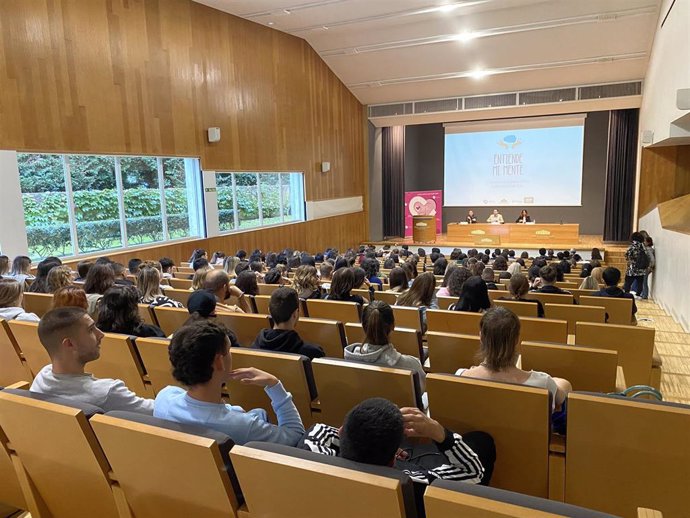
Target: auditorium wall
149, 77
424, 148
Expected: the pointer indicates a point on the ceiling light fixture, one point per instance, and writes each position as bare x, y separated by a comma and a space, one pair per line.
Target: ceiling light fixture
446, 8
464, 37
271, 23
479, 74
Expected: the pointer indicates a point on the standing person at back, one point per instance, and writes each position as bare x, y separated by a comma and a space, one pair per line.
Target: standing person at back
72, 340
638, 262
284, 309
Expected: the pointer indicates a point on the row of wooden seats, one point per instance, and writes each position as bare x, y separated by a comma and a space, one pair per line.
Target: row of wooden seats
126, 465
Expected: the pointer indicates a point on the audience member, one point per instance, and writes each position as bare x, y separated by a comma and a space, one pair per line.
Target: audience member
342, 285
474, 296
72, 340
199, 253
167, 266
284, 309
374, 431
202, 361
514, 268
149, 284
499, 338
589, 283
59, 277
371, 267
443, 290
119, 313
548, 275
598, 274
440, 266
217, 282
273, 276
4, 265
488, 277
246, 283
612, 277
596, 254
40, 283
306, 282
11, 297
201, 263
199, 278
397, 281
651, 256
410, 268
70, 296
258, 268
361, 281
133, 266
229, 265
218, 257
378, 322
120, 275
456, 281
99, 280
518, 288
83, 268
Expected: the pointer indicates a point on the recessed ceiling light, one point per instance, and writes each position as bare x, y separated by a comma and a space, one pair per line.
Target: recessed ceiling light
325, 27
271, 23
464, 37
287, 11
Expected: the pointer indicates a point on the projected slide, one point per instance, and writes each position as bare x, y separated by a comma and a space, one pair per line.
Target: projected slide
519, 167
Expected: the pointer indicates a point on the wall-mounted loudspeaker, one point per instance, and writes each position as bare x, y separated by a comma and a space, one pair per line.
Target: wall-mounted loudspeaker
214, 135
683, 99
325, 167
647, 137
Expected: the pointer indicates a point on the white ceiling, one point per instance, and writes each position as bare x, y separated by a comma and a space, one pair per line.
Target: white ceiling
398, 50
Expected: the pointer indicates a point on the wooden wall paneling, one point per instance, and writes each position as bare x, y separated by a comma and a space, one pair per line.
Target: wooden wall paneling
664, 175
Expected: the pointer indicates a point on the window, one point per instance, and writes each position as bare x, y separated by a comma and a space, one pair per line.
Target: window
250, 200
78, 204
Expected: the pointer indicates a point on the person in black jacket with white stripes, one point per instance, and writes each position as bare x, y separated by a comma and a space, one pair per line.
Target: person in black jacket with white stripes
374, 432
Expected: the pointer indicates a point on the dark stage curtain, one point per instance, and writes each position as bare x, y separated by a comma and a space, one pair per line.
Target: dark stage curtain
620, 175
393, 182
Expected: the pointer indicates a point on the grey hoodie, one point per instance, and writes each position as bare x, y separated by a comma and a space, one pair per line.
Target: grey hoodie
17, 314
385, 356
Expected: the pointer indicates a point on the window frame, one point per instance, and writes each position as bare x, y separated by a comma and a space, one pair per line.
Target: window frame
195, 202
261, 225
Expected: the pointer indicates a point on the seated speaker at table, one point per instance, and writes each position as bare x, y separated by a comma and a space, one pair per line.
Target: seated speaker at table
471, 218
524, 217
496, 217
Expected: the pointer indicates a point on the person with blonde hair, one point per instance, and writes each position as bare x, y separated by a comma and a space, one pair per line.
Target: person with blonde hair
59, 277
306, 282
229, 265
69, 296
149, 284
199, 278
499, 340
11, 297
514, 268
21, 268
598, 274
589, 283
4, 265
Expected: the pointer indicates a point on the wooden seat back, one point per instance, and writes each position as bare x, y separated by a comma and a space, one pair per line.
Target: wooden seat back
10, 489
343, 384
389, 298
304, 488
449, 352
409, 318
634, 345
577, 293
585, 368
180, 284
55, 446
261, 304
550, 298
12, 366
245, 325
26, 337
573, 314
624, 454
543, 330
619, 311
328, 334
171, 319
512, 414
334, 310
153, 465
446, 498
362, 293
445, 321
146, 314
37, 303
267, 289
119, 360
180, 295
154, 354
293, 370
496, 294
522, 309
445, 302
406, 341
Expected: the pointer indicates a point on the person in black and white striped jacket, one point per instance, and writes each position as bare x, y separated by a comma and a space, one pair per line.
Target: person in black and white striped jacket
374, 431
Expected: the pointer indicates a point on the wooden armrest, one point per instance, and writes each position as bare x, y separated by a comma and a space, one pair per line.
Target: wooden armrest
620, 380
557, 443
316, 406
656, 358
648, 513
243, 512
20, 385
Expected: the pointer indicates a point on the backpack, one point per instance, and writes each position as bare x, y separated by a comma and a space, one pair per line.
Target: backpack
642, 260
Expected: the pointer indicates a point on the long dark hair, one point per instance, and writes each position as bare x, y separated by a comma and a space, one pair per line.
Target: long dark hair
378, 322
342, 284
119, 311
421, 293
246, 281
474, 296
100, 279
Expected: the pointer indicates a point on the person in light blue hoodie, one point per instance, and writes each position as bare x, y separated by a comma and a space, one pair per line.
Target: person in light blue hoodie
202, 361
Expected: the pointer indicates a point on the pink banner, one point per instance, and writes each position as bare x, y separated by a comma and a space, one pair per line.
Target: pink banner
423, 203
